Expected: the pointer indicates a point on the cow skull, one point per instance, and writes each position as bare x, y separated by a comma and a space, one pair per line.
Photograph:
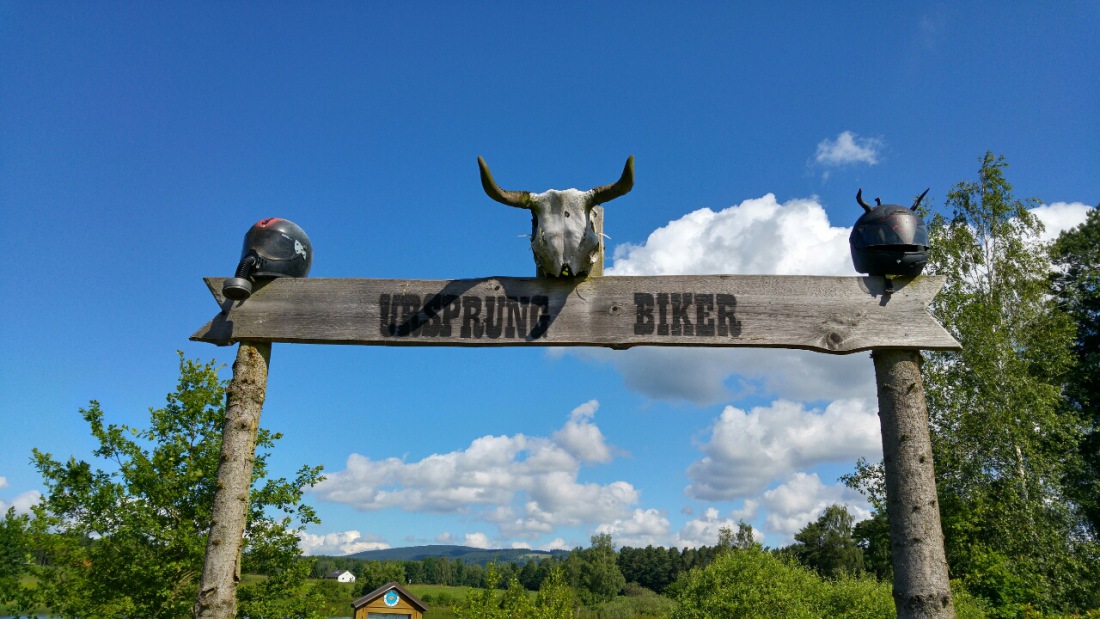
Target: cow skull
563, 230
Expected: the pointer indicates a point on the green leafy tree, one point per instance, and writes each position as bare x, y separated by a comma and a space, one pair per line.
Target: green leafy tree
374, 574
594, 571
872, 535
725, 539
555, 599
15, 556
1077, 284
129, 540
653, 568
1002, 441
744, 539
528, 575
827, 546
747, 583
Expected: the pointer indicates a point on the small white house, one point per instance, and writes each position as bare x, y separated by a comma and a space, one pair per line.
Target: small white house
341, 576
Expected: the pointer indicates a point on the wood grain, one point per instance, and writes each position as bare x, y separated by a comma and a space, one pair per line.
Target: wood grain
837, 315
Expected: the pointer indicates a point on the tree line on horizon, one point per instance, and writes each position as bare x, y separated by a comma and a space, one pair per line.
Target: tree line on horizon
1015, 427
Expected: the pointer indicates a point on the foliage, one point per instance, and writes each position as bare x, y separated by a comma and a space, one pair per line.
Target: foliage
747, 583
1077, 285
14, 551
755, 583
369, 575
285, 593
594, 571
744, 538
656, 568
15, 558
332, 599
553, 601
636, 601
872, 535
827, 546
130, 540
1002, 440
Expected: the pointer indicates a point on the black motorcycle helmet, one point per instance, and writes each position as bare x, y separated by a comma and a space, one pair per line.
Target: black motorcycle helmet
273, 247
889, 239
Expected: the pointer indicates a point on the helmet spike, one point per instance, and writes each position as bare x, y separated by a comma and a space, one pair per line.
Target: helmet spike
859, 198
917, 203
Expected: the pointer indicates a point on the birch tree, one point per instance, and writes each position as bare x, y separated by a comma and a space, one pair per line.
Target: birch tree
1001, 441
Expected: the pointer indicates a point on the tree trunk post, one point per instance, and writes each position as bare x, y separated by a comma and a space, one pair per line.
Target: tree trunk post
921, 586
221, 570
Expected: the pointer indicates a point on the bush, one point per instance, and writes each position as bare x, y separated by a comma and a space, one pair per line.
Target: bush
441, 599
859, 598
754, 583
636, 601
748, 583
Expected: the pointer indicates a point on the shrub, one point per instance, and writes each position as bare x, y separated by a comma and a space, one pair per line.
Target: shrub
753, 583
636, 601
748, 583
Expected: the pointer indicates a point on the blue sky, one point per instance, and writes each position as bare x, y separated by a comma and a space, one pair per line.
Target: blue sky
139, 142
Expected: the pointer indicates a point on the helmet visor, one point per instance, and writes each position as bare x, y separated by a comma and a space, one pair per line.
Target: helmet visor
899, 228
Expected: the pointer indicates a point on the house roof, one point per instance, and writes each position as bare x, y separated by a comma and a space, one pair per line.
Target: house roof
380, 591
337, 574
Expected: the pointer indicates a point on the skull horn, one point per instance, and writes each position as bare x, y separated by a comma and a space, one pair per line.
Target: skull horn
917, 203
619, 188
518, 199
859, 198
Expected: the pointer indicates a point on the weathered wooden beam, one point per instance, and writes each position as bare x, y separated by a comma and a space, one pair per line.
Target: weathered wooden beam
837, 315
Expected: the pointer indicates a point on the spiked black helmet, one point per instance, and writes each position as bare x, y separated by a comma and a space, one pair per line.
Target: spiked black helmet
889, 239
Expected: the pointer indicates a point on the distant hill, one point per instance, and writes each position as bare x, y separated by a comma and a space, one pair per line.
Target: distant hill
468, 555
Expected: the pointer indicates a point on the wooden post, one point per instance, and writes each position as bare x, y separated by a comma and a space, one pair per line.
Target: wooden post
221, 570
921, 587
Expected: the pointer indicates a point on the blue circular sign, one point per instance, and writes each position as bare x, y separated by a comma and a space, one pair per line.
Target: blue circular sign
391, 598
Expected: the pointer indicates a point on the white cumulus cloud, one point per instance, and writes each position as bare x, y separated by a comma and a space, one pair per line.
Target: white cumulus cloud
848, 148
758, 236
557, 544
581, 438
750, 450
22, 501
645, 527
339, 543
1059, 216
477, 540
703, 531
527, 486
801, 500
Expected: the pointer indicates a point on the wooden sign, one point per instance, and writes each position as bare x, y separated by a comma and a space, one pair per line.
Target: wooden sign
828, 314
